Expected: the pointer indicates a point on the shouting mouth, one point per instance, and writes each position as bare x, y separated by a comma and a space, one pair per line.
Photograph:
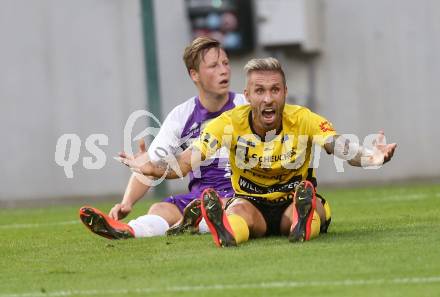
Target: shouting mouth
268, 115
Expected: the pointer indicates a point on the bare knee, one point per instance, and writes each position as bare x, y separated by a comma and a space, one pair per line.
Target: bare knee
254, 219
241, 210
168, 211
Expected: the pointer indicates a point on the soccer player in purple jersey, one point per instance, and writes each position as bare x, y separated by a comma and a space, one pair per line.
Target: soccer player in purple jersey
208, 66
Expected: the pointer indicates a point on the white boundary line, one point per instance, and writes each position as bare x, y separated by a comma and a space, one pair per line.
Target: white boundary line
268, 285
37, 225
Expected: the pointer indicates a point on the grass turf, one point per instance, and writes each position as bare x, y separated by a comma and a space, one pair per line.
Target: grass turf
383, 241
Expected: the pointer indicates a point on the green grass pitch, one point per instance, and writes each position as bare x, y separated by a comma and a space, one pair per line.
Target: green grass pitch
383, 241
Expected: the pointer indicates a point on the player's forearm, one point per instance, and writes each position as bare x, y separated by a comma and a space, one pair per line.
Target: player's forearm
135, 190
175, 166
368, 158
161, 169
355, 154
169, 170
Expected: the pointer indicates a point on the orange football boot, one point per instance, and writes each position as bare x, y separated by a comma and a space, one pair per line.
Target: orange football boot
216, 219
101, 224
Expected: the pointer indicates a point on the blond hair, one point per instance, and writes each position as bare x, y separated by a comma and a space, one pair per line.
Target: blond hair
265, 64
195, 52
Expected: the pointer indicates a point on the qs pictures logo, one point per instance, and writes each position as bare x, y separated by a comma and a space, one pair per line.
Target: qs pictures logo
69, 145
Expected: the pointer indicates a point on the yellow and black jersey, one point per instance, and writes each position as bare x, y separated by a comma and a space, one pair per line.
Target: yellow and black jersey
271, 167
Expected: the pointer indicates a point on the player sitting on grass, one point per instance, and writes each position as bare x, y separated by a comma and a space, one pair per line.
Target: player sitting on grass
208, 67
270, 146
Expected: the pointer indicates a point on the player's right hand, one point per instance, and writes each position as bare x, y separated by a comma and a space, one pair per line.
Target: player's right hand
139, 162
119, 211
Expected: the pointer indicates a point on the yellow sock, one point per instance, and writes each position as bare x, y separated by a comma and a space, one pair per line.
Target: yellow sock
328, 217
240, 228
316, 225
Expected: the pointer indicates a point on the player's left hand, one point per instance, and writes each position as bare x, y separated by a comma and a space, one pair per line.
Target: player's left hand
382, 152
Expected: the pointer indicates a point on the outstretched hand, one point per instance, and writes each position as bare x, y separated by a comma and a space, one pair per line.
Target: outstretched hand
381, 152
139, 162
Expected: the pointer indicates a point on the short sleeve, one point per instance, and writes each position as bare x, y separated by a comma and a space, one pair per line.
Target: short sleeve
320, 128
215, 135
167, 141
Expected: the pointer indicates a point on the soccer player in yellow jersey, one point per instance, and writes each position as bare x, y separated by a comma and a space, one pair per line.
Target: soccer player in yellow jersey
270, 147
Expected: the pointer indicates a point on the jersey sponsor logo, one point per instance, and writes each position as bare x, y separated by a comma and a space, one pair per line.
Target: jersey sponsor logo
326, 126
251, 188
275, 158
291, 157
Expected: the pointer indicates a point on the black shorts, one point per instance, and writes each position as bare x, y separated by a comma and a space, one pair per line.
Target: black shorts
272, 211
